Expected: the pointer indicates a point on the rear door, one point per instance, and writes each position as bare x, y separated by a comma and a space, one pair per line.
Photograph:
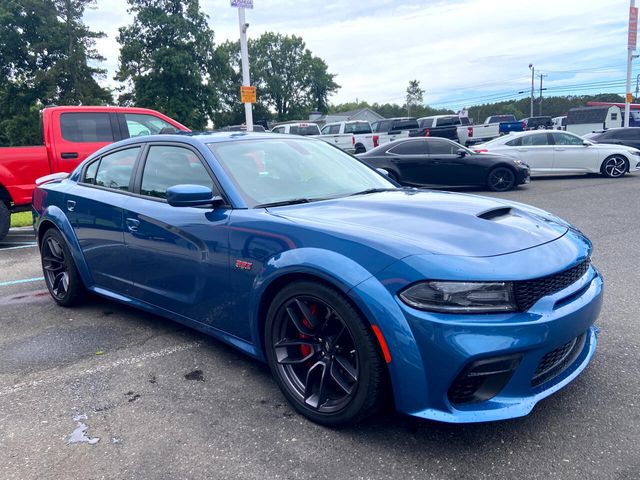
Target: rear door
536, 149
95, 209
179, 255
411, 160
79, 134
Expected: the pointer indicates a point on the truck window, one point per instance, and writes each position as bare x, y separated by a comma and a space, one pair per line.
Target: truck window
357, 128
304, 130
86, 127
167, 166
447, 121
140, 125
382, 126
114, 170
405, 124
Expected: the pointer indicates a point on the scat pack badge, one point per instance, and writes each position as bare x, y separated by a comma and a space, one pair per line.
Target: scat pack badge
242, 265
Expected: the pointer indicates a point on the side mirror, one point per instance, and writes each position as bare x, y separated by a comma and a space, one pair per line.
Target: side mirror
586, 144
190, 196
461, 152
383, 171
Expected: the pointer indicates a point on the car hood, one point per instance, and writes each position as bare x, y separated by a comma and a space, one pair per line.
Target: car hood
409, 222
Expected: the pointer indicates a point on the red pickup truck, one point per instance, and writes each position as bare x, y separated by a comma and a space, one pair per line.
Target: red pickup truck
70, 134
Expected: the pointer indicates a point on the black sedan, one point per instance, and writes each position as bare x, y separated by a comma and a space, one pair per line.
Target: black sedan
629, 136
441, 162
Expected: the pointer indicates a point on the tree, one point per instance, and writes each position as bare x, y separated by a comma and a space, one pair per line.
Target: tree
167, 60
44, 54
290, 80
414, 96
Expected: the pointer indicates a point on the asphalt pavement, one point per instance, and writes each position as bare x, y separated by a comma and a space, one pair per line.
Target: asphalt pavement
103, 391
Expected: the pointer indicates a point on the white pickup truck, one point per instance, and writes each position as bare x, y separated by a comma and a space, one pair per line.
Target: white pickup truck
361, 130
459, 129
345, 142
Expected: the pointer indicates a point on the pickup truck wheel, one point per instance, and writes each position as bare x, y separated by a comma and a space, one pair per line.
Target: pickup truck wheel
360, 149
501, 179
5, 220
60, 272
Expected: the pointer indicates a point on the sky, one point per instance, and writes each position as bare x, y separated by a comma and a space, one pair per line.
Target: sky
463, 52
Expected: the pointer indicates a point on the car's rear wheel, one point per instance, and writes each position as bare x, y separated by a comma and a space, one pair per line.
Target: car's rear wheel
614, 166
5, 220
323, 355
60, 272
501, 179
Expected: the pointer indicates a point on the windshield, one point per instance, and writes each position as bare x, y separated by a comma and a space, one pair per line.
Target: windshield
304, 130
274, 170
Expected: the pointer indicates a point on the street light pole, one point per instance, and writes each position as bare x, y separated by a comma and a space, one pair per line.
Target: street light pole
533, 70
244, 54
631, 46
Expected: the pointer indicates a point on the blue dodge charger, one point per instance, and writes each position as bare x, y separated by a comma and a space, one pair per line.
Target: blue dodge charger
459, 307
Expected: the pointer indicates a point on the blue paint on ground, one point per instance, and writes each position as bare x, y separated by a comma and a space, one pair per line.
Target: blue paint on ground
16, 282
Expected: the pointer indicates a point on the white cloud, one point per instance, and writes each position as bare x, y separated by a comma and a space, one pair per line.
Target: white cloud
458, 50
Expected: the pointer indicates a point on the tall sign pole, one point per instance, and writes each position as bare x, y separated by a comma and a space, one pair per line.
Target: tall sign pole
247, 93
631, 46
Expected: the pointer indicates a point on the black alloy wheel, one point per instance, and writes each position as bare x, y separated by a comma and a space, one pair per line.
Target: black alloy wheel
60, 273
323, 355
501, 179
614, 166
360, 149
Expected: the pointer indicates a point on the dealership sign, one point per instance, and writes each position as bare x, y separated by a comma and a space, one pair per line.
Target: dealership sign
633, 27
244, 3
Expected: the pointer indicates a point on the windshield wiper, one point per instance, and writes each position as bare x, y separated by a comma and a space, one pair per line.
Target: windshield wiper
374, 190
281, 203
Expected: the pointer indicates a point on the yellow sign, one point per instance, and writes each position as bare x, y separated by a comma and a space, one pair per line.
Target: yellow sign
248, 94
629, 97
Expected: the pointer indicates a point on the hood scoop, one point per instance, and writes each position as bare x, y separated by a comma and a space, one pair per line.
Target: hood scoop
496, 213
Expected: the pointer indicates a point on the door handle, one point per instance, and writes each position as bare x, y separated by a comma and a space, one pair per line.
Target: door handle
69, 155
71, 205
132, 224
523, 150
559, 149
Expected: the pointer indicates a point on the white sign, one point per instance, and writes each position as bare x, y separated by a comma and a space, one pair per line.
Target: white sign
242, 3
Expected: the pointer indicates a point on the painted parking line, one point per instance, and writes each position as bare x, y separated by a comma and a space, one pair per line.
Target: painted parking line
31, 245
101, 368
17, 282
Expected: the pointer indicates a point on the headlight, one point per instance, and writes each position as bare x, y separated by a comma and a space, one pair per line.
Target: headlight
461, 297
518, 162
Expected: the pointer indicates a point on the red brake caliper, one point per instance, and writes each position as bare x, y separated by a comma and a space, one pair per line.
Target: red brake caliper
306, 349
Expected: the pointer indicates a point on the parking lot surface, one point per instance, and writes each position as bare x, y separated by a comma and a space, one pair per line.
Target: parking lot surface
105, 391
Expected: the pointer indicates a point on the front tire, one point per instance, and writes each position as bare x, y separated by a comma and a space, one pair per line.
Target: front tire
60, 272
614, 166
5, 220
501, 179
324, 355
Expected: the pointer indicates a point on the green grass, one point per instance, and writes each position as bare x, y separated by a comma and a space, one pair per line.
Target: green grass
22, 219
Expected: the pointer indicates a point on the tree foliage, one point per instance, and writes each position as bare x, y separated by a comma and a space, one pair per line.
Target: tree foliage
45, 51
167, 60
415, 96
290, 80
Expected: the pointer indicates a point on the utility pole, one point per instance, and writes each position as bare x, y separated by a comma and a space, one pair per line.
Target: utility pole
631, 46
533, 71
244, 57
637, 88
542, 75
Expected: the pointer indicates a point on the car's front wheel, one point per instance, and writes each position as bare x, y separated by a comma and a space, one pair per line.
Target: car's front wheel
614, 166
501, 179
5, 220
324, 355
60, 272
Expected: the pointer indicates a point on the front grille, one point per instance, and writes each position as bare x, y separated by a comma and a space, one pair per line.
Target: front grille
528, 292
557, 360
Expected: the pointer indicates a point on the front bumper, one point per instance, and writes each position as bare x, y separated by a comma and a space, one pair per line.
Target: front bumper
431, 351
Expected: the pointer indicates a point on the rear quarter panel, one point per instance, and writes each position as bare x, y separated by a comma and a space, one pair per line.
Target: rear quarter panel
19, 169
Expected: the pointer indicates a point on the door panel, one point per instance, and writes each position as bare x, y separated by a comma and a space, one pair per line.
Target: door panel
537, 151
571, 155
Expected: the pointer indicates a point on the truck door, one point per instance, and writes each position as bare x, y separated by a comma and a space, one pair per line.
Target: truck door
76, 135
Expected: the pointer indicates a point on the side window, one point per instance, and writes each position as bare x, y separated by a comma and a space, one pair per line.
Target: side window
325, 130
114, 170
566, 139
535, 140
335, 129
167, 166
439, 147
86, 127
412, 147
625, 134
140, 125
516, 142
614, 116
90, 173
444, 122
